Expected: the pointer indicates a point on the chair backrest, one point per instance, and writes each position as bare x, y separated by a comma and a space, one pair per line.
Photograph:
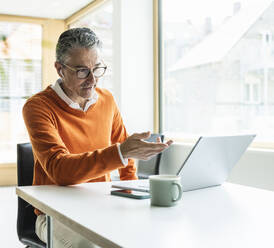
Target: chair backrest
150, 167
25, 164
25, 215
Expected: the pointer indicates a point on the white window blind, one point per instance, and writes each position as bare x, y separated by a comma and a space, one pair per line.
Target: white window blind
20, 78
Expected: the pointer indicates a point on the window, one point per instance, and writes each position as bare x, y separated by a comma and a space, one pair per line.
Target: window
100, 21
20, 78
217, 68
252, 92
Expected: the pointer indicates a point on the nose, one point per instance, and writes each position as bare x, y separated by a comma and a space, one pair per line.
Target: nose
91, 77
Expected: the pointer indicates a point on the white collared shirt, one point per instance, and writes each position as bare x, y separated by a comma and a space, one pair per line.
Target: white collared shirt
59, 91
93, 99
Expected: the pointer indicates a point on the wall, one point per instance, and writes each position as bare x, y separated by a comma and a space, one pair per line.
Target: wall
255, 168
133, 62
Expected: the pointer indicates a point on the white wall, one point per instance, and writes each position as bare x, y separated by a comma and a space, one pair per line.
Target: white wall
255, 168
133, 62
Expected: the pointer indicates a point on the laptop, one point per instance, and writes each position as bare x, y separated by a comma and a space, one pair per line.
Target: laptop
208, 163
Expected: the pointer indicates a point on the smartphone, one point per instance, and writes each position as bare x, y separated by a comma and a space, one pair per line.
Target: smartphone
131, 194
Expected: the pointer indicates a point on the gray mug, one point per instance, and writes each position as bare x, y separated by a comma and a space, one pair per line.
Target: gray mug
165, 190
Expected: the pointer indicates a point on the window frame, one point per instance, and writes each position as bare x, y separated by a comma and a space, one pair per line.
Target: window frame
50, 32
9, 18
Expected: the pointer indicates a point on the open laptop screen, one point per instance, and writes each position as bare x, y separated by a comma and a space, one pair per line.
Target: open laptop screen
211, 160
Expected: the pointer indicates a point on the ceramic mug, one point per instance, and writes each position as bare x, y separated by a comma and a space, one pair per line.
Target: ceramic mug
165, 190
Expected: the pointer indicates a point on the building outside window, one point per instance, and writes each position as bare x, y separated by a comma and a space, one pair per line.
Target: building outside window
218, 68
20, 78
252, 91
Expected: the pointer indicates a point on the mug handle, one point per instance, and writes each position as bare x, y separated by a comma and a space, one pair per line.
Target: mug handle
179, 186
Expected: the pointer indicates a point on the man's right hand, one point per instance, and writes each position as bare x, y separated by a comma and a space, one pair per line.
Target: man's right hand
136, 147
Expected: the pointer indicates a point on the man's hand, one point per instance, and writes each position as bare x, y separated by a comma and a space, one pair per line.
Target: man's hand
136, 147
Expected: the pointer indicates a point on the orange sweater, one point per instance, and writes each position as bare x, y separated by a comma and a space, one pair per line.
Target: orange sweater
71, 146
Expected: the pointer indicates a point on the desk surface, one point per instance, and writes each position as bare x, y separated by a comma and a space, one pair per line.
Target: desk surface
224, 216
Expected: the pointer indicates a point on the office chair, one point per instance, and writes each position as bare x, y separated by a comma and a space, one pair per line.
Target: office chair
25, 215
150, 167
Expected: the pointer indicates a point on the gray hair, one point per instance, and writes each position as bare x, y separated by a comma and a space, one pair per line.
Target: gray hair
75, 38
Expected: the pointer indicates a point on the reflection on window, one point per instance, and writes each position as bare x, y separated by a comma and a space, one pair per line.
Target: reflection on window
218, 68
100, 21
20, 77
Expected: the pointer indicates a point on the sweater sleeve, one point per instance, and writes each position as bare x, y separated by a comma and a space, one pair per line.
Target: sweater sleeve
119, 135
62, 167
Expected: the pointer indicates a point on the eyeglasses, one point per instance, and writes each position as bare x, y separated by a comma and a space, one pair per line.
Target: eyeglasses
83, 73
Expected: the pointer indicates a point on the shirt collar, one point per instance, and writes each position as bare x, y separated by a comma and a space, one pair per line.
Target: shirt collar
59, 91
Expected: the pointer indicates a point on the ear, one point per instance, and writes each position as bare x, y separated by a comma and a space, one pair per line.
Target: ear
58, 68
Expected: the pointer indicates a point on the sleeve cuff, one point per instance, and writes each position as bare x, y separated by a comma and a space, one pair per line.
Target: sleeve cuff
124, 161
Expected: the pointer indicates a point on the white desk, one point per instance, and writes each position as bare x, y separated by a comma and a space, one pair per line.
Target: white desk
225, 216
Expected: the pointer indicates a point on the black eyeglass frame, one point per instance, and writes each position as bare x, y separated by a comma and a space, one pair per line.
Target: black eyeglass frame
84, 68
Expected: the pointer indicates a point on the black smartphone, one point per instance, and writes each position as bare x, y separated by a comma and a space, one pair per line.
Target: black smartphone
131, 194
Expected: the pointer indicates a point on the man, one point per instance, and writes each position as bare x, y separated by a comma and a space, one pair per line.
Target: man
76, 129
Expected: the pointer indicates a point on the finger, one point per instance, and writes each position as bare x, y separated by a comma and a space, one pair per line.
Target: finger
150, 152
159, 140
143, 135
149, 156
154, 151
153, 145
169, 142
144, 158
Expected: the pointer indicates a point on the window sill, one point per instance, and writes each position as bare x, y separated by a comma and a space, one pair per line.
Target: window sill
8, 174
8, 165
